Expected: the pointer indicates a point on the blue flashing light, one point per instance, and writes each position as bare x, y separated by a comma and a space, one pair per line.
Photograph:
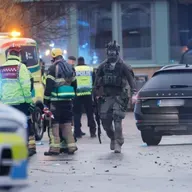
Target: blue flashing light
62, 22
85, 45
83, 23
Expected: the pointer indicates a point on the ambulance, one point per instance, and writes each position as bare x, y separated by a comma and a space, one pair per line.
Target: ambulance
31, 59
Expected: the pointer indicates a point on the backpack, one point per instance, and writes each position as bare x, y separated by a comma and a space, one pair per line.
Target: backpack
65, 70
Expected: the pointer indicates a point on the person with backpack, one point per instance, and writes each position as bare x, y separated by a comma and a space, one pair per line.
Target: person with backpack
59, 92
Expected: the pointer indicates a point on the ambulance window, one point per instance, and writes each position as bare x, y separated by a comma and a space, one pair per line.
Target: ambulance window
29, 55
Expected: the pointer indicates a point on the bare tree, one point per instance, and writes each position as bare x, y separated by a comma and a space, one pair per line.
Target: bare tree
47, 20
42, 20
10, 14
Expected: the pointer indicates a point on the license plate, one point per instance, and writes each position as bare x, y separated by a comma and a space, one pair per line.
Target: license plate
170, 102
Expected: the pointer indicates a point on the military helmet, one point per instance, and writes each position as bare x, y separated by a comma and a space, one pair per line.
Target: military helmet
113, 45
56, 52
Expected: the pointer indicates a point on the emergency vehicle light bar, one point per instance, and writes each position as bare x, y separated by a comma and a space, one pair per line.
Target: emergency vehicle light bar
10, 34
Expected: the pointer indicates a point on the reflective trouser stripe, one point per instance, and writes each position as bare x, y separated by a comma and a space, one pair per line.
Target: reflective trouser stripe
31, 143
54, 139
63, 144
66, 130
70, 145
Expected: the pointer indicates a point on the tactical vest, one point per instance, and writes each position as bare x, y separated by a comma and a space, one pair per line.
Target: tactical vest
112, 76
84, 80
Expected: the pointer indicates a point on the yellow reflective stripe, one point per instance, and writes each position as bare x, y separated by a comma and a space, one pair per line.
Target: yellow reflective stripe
83, 93
60, 99
47, 97
31, 143
60, 80
60, 94
27, 82
83, 68
15, 100
50, 77
71, 145
17, 144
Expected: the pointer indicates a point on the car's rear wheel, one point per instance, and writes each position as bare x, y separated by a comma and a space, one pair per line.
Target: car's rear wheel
38, 124
151, 138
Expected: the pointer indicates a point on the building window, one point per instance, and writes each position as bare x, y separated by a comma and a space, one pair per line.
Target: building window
95, 30
180, 28
136, 31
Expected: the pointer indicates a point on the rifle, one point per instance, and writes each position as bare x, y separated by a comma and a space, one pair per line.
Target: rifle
97, 117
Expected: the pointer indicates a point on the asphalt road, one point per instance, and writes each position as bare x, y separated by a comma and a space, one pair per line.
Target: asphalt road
94, 168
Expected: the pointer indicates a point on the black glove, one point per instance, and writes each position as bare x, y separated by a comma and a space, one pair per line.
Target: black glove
47, 103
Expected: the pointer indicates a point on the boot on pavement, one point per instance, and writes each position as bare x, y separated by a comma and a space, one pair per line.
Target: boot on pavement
31, 152
51, 153
63, 150
72, 150
117, 148
112, 145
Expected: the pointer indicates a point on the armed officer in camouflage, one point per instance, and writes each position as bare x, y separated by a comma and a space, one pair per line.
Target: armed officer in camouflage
111, 91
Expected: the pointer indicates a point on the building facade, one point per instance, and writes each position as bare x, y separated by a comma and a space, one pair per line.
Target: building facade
151, 33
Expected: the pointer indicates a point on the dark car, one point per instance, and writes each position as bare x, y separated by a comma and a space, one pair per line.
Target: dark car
164, 104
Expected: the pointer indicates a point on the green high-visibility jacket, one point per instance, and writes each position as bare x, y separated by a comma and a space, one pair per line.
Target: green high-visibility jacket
15, 84
84, 75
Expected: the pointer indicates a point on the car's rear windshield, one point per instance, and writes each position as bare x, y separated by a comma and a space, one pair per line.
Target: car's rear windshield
29, 55
164, 80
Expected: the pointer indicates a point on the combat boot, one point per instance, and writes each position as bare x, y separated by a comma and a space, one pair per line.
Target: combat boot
117, 148
112, 145
31, 146
93, 135
63, 150
31, 152
63, 146
51, 153
69, 138
72, 150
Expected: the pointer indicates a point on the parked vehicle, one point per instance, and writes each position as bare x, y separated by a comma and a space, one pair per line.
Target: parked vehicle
164, 104
31, 59
13, 148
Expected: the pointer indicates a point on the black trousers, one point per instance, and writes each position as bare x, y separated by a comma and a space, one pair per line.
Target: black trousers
24, 107
78, 103
62, 112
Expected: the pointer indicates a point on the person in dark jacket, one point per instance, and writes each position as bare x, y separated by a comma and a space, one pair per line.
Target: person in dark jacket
71, 60
85, 79
186, 58
59, 92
